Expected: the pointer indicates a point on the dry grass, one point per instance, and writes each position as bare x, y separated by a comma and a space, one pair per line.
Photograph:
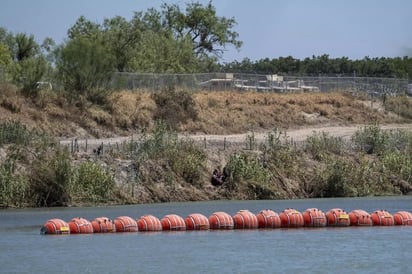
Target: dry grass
217, 112
132, 109
236, 112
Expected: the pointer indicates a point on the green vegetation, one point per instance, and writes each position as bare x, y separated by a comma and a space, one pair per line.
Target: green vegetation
13, 132
374, 162
68, 83
181, 157
167, 40
92, 184
324, 65
38, 172
164, 167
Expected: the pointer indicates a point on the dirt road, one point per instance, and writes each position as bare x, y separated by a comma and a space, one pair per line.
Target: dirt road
296, 135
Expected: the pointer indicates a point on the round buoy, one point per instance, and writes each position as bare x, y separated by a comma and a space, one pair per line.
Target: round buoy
268, 219
337, 217
149, 223
197, 221
80, 226
402, 218
382, 218
290, 217
125, 224
55, 226
314, 217
359, 217
221, 220
173, 222
103, 225
244, 219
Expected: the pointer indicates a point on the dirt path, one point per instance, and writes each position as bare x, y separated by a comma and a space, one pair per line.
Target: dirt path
297, 135
301, 134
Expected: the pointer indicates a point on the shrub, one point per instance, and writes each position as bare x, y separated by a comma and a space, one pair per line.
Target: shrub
357, 176
321, 144
245, 167
155, 145
13, 187
398, 164
370, 139
334, 179
174, 107
50, 178
182, 156
13, 132
92, 183
399, 140
187, 161
27, 73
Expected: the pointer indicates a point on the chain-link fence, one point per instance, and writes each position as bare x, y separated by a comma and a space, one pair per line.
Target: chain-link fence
257, 82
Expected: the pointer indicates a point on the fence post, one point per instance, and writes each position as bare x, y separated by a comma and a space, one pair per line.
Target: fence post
205, 142
85, 149
76, 145
224, 143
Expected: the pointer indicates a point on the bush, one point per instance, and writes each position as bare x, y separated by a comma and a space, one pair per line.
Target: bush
187, 161
13, 132
399, 140
182, 156
92, 183
27, 73
398, 164
50, 178
13, 187
357, 176
153, 146
322, 144
174, 107
370, 139
245, 167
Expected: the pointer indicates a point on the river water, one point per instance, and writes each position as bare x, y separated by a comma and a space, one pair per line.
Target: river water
303, 250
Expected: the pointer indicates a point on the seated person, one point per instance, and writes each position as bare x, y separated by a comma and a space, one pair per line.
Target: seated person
217, 178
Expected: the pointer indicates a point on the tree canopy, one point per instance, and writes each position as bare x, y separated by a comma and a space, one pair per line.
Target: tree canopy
175, 38
400, 67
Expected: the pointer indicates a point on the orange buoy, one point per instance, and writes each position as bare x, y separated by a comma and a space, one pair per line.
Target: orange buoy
55, 226
80, 225
173, 222
382, 217
268, 219
313, 217
197, 221
244, 219
125, 224
149, 223
290, 217
359, 217
103, 225
337, 217
221, 220
402, 218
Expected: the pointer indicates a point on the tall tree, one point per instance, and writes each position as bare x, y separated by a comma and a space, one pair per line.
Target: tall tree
209, 33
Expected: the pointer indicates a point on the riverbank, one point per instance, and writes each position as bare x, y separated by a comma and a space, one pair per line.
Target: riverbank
273, 146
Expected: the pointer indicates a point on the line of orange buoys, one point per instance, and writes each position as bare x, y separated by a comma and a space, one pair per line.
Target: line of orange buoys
243, 219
